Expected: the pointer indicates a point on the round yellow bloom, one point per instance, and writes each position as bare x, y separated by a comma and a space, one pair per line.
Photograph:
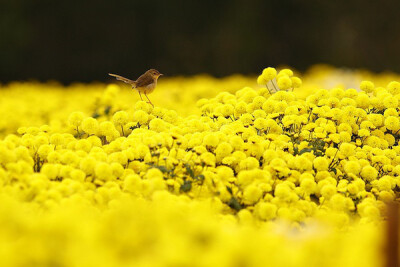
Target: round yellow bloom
283, 192
369, 173
364, 133
321, 163
296, 82
227, 110
394, 87
308, 186
211, 140
88, 165
251, 194
260, 124
367, 86
347, 149
103, 171
284, 83
157, 125
328, 190
269, 73
84, 145
385, 183
391, 102
266, 211
392, 123
262, 80
90, 125
208, 159
75, 118
141, 116
120, 118
287, 72
249, 163
50, 170
44, 151
352, 167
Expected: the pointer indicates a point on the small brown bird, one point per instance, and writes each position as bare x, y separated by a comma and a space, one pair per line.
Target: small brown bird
146, 83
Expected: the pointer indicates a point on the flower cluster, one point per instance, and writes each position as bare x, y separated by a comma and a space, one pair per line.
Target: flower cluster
274, 81
144, 178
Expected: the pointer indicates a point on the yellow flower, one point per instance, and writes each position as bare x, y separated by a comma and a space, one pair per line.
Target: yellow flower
321, 164
284, 82
269, 73
75, 118
308, 186
106, 128
141, 116
385, 183
375, 119
227, 110
157, 125
266, 211
352, 167
369, 173
347, 149
391, 102
392, 123
367, 86
90, 125
258, 101
296, 82
260, 124
50, 170
240, 108
261, 80
251, 194
103, 171
328, 190
44, 151
287, 72
249, 163
208, 159
394, 87
283, 191
120, 118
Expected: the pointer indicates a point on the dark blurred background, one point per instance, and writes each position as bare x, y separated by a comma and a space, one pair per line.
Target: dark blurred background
84, 40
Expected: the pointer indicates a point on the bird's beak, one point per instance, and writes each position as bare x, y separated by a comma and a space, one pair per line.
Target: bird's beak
160, 74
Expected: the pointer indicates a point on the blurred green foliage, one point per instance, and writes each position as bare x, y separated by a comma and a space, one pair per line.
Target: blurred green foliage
83, 40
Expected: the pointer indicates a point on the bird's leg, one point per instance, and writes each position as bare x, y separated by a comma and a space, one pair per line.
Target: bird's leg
140, 95
148, 99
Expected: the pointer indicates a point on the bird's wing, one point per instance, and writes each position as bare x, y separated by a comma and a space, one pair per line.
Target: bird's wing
144, 80
125, 80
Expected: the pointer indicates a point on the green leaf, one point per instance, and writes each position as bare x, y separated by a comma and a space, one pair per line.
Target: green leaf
95, 115
234, 204
200, 177
161, 168
304, 150
186, 186
229, 189
107, 110
314, 199
189, 170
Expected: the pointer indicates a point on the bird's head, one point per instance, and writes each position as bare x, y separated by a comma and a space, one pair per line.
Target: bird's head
154, 73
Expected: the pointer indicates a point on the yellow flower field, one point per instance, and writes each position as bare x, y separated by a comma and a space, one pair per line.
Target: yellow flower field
284, 169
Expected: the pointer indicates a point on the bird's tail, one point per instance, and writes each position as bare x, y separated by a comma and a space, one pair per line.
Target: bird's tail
125, 80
